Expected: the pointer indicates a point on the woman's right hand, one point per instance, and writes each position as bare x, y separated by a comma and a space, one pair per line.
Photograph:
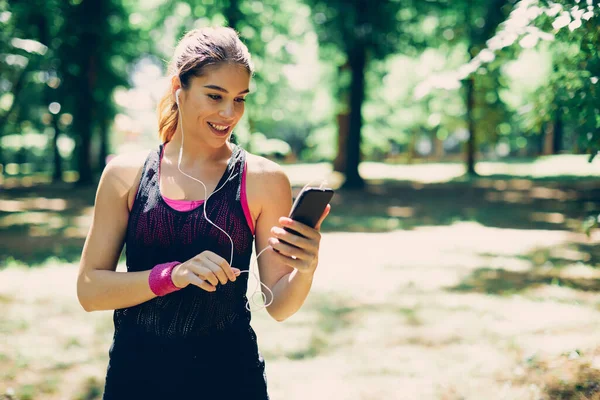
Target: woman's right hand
205, 270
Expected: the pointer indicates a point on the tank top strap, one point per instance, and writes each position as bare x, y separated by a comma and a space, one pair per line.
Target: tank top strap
148, 180
239, 165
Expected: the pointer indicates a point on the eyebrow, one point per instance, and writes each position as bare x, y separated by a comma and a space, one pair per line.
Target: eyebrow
220, 89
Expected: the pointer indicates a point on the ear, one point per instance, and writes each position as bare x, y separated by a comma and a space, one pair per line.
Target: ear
175, 86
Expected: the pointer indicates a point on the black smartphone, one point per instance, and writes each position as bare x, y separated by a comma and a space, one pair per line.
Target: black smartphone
309, 205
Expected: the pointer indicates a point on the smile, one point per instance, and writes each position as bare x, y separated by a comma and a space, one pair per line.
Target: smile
220, 128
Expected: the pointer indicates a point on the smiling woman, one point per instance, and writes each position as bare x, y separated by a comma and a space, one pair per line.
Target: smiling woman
188, 214
206, 102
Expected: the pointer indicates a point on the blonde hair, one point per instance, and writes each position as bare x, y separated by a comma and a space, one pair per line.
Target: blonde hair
198, 50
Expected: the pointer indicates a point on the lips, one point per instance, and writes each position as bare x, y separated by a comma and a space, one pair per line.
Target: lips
219, 130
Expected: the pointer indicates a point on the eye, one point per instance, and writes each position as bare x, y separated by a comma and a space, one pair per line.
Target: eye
214, 96
240, 100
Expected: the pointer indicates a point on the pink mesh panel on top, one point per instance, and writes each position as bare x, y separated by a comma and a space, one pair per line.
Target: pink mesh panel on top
183, 205
189, 205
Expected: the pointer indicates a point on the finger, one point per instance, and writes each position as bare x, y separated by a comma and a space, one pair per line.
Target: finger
289, 251
194, 280
205, 274
221, 263
236, 271
217, 271
298, 227
325, 214
285, 260
292, 238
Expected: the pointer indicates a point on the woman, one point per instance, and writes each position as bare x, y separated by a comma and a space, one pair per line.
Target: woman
182, 329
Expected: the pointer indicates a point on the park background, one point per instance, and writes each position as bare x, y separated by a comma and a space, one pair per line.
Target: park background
460, 259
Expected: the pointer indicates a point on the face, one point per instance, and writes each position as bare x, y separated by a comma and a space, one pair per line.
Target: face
214, 103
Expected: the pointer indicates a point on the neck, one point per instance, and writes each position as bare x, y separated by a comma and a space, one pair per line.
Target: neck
196, 150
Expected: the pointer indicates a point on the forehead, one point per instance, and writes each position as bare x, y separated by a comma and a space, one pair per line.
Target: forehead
231, 77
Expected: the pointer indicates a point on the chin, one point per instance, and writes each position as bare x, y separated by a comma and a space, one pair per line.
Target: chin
217, 142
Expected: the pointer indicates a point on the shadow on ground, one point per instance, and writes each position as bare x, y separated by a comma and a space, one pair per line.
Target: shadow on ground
506, 282
547, 267
496, 201
42, 222
45, 221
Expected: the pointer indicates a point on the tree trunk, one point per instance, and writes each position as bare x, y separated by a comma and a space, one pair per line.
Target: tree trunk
57, 174
471, 141
84, 166
86, 121
477, 39
470, 92
104, 143
539, 143
438, 146
557, 139
358, 60
343, 121
2, 162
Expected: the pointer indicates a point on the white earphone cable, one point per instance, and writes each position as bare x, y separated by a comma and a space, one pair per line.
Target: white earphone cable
206, 197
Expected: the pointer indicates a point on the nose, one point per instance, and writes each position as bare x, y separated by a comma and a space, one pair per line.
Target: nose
227, 111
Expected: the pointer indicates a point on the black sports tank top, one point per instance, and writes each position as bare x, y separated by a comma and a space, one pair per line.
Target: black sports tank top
157, 233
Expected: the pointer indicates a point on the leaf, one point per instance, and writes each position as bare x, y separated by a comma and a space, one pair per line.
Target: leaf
562, 21
575, 24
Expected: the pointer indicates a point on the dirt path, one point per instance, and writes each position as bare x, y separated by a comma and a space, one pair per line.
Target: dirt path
452, 312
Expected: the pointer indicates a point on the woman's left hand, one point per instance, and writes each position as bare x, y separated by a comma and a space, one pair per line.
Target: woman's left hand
298, 250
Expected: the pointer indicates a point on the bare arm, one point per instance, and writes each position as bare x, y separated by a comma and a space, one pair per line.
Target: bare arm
289, 279
99, 286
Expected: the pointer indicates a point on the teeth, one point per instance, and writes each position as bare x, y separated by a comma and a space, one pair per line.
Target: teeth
219, 127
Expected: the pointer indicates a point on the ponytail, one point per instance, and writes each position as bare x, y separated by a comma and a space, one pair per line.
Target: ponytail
168, 114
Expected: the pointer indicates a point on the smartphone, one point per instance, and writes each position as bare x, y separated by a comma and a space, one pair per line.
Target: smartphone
310, 205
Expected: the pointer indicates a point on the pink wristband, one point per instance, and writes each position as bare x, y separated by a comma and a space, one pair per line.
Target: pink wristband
160, 279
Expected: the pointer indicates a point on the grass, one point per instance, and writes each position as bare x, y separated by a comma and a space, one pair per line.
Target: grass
428, 288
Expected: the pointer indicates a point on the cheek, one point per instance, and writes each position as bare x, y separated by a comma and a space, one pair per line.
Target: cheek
240, 110
203, 108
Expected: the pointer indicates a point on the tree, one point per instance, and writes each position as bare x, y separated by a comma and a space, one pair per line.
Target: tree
359, 31
95, 48
472, 22
571, 97
27, 33
494, 14
574, 81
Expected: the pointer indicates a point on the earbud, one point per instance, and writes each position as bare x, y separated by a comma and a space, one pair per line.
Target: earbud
177, 96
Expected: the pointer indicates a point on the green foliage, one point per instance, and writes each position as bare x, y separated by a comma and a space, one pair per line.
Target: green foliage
571, 90
574, 81
66, 71
295, 96
343, 24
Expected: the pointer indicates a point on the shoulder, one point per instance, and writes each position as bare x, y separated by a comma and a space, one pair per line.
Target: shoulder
266, 185
126, 166
122, 174
265, 173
